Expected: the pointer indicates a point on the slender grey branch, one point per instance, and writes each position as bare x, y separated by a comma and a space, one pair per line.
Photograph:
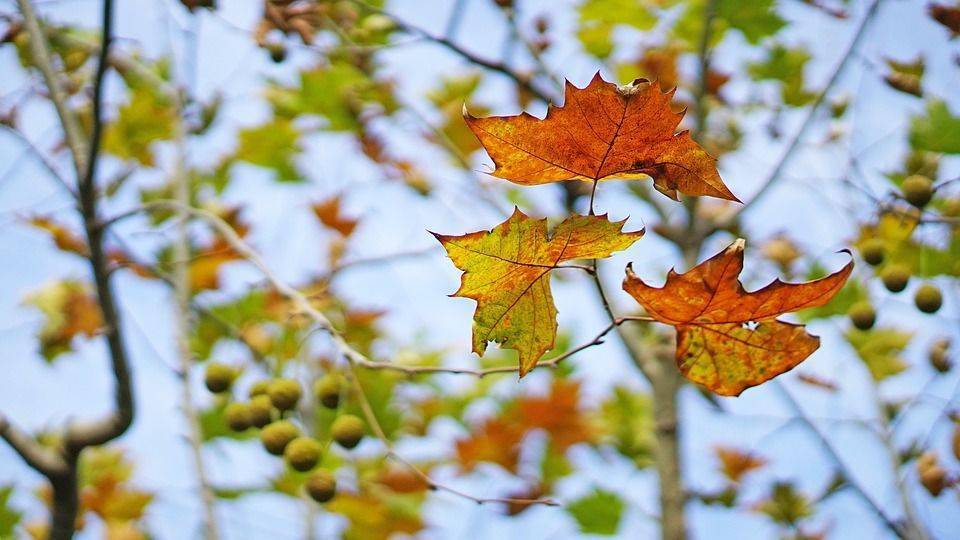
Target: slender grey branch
776, 174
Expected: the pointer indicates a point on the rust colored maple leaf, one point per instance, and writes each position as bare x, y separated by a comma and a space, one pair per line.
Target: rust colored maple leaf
329, 214
601, 131
946, 15
735, 464
728, 339
506, 270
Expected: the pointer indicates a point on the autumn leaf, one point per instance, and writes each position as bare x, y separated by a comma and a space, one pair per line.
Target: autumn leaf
948, 16
506, 270
602, 131
735, 464
558, 413
494, 441
71, 310
328, 213
728, 339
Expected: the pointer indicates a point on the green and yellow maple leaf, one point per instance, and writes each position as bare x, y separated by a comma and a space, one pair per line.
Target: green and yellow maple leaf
506, 270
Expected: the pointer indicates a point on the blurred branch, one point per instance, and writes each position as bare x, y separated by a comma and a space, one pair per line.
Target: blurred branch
183, 322
777, 173
37, 456
42, 158
523, 81
828, 448
42, 59
81, 435
432, 484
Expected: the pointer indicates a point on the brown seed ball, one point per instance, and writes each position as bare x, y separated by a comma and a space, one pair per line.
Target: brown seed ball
284, 393
872, 251
934, 479
302, 454
928, 298
237, 416
259, 388
261, 411
939, 355
862, 315
219, 377
895, 277
321, 486
917, 190
347, 430
327, 390
277, 435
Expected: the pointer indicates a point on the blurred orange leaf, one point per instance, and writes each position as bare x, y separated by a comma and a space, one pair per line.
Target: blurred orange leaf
735, 464
506, 270
495, 441
328, 212
558, 413
728, 339
71, 310
601, 131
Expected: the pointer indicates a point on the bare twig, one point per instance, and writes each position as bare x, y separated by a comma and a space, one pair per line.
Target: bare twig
432, 484
842, 468
776, 174
499, 67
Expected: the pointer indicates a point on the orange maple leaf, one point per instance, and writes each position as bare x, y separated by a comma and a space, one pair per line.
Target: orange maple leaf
328, 212
506, 270
735, 464
601, 131
728, 339
495, 441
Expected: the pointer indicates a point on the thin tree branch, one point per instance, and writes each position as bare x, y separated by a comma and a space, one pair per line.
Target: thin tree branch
837, 460
432, 484
37, 456
776, 174
40, 52
42, 158
499, 67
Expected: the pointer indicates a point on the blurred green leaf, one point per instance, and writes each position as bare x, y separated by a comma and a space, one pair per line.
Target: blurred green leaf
598, 513
755, 20
274, 146
785, 65
880, 350
627, 418
936, 131
786, 505
9, 516
599, 18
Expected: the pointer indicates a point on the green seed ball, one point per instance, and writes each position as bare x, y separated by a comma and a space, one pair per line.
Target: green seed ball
347, 430
278, 53
928, 298
219, 377
238, 416
261, 411
277, 435
327, 390
862, 315
895, 277
303, 453
872, 251
259, 388
321, 486
284, 393
917, 190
